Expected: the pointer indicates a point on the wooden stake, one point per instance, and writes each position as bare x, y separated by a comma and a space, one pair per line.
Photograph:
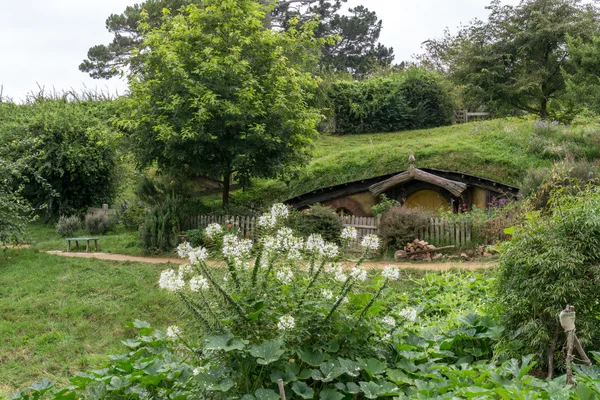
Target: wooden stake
281, 389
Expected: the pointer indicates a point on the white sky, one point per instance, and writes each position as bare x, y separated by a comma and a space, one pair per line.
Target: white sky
44, 41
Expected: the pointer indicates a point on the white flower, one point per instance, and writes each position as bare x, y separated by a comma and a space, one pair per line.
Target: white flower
330, 251
171, 281
389, 321
198, 283
280, 211
349, 233
287, 322
391, 272
173, 331
185, 270
236, 250
184, 249
344, 300
314, 244
285, 276
213, 230
198, 255
359, 274
288, 245
267, 221
339, 274
409, 313
370, 242
327, 294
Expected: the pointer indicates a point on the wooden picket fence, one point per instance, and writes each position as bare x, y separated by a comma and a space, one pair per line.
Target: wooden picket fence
445, 232
440, 232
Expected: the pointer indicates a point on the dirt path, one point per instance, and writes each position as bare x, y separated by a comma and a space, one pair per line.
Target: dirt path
440, 266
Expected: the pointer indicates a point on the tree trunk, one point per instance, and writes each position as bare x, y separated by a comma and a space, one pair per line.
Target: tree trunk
226, 186
544, 108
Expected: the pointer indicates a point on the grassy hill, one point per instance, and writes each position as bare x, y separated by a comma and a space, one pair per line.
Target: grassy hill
502, 150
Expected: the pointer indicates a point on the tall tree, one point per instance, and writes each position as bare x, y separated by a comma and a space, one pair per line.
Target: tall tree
357, 49
514, 60
219, 95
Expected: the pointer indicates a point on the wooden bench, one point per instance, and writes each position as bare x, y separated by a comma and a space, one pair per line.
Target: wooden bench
87, 243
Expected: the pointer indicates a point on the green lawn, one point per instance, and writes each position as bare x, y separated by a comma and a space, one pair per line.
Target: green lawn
502, 150
43, 237
61, 315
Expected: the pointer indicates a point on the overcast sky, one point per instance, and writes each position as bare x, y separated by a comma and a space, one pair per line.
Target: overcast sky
43, 41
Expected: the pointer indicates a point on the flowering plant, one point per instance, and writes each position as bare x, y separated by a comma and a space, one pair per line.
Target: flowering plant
278, 299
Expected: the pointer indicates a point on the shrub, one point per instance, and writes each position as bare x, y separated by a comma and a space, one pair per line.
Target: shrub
571, 177
384, 205
400, 225
413, 99
67, 226
320, 220
195, 237
131, 215
162, 225
552, 261
533, 181
97, 224
72, 148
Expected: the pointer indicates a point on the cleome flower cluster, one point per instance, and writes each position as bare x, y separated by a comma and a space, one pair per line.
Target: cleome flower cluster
278, 257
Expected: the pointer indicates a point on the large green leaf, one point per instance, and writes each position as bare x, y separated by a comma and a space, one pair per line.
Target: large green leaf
330, 394
350, 367
267, 394
225, 342
267, 352
313, 358
42, 386
328, 371
370, 389
373, 366
303, 390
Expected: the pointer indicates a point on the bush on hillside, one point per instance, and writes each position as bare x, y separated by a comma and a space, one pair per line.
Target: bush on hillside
321, 220
413, 99
400, 225
571, 177
97, 224
67, 226
552, 261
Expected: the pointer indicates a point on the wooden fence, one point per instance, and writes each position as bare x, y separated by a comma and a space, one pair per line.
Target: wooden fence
440, 232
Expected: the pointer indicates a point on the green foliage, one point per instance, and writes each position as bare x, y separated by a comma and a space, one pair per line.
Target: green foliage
131, 215
572, 177
384, 205
15, 211
413, 99
401, 225
97, 224
321, 220
70, 150
161, 226
67, 226
552, 261
215, 82
354, 49
516, 59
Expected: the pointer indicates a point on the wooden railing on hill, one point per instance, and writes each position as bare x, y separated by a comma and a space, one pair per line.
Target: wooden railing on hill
440, 232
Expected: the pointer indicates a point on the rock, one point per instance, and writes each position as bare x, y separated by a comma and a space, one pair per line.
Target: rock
464, 256
487, 254
469, 253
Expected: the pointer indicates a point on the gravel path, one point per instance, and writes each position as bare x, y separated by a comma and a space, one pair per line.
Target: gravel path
438, 266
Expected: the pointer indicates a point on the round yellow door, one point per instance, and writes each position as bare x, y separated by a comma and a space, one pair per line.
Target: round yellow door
427, 200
